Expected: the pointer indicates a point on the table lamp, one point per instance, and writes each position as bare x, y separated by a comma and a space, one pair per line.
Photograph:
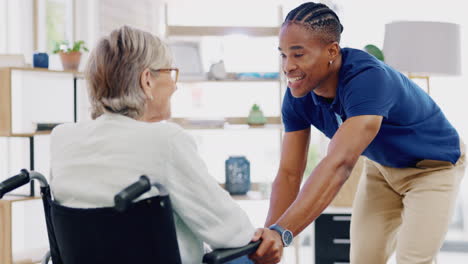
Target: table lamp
422, 49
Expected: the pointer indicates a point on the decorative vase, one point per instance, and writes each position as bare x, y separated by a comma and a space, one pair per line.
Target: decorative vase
40, 60
256, 116
237, 175
70, 60
217, 71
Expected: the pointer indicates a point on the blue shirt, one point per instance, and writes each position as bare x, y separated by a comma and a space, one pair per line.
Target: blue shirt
413, 127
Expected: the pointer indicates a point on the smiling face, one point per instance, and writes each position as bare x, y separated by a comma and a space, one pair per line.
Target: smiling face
306, 61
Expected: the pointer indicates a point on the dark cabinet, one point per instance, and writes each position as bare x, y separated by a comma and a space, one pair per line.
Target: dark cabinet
332, 241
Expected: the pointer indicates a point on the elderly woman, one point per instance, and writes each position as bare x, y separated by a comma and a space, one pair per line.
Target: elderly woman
130, 84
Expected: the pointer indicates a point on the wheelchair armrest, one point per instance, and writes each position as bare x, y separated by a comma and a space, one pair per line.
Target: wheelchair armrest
125, 197
14, 182
219, 256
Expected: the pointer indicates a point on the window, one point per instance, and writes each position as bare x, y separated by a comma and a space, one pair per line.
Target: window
55, 23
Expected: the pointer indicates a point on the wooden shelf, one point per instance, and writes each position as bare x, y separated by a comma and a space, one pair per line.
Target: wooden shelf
273, 122
221, 31
255, 192
18, 198
234, 127
6, 202
250, 196
7, 95
37, 133
75, 73
229, 80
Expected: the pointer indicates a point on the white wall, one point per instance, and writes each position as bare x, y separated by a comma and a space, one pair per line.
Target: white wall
137, 13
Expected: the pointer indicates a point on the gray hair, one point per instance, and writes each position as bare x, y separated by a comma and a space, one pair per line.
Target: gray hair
114, 70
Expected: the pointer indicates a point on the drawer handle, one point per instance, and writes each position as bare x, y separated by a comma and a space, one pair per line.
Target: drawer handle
341, 218
341, 241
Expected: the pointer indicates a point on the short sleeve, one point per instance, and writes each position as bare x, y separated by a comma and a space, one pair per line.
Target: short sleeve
369, 93
291, 119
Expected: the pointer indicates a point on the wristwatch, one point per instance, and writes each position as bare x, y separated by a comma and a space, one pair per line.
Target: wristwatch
286, 235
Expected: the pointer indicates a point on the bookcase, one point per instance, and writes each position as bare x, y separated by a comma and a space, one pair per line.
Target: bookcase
23, 232
28, 97
215, 111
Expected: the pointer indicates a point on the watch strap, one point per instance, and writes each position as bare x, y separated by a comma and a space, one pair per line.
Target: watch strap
281, 231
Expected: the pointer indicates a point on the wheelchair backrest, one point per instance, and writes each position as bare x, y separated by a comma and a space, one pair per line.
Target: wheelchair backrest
144, 233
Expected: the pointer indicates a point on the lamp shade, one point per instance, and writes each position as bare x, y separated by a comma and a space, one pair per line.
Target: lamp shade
426, 48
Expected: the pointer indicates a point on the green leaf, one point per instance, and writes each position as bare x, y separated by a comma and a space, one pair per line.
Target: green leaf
373, 50
65, 47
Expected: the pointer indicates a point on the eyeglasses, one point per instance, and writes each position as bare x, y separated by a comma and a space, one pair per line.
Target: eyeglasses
174, 72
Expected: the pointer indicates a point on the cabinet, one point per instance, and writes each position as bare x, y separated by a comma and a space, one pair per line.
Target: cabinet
332, 241
23, 232
332, 227
215, 111
28, 97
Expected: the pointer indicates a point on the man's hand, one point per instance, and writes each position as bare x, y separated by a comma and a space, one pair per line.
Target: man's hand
270, 250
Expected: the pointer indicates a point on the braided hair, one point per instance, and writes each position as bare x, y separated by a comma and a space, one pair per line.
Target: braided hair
318, 18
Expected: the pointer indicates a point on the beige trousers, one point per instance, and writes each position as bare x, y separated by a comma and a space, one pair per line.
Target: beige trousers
407, 210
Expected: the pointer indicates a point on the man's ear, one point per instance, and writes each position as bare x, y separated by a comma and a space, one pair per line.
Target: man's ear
333, 50
145, 82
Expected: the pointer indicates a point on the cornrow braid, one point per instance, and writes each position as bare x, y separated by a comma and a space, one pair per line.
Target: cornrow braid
318, 18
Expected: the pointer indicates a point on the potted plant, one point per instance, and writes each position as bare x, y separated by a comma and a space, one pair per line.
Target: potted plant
374, 50
70, 56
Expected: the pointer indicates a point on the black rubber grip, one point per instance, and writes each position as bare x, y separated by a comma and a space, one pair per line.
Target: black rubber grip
124, 198
226, 254
14, 182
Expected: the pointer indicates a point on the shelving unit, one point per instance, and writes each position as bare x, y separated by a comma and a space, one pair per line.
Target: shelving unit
22, 220
29, 96
273, 122
35, 95
220, 31
20, 98
225, 122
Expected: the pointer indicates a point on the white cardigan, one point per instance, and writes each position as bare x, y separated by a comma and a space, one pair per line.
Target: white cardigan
94, 160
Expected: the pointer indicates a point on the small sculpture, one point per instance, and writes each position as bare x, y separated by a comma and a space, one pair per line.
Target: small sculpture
256, 116
217, 71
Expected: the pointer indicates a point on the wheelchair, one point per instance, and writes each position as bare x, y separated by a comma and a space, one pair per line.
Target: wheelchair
130, 232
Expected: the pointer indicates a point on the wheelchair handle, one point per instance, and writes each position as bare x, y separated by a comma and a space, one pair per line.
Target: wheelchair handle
14, 182
124, 198
222, 255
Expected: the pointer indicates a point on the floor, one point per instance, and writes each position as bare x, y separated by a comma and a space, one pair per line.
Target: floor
447, 258
452, 258
443, 258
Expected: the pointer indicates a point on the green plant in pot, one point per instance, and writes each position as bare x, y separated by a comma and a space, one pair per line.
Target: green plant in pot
70, 55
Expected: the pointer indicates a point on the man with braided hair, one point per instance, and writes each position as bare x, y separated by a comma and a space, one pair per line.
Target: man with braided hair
415, 158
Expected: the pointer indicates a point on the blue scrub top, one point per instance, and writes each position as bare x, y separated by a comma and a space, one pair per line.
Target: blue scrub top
413, 128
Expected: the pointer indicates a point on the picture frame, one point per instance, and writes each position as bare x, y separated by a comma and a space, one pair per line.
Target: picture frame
188, 59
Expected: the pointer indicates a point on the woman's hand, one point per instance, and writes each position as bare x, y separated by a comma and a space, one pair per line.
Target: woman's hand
270, 250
